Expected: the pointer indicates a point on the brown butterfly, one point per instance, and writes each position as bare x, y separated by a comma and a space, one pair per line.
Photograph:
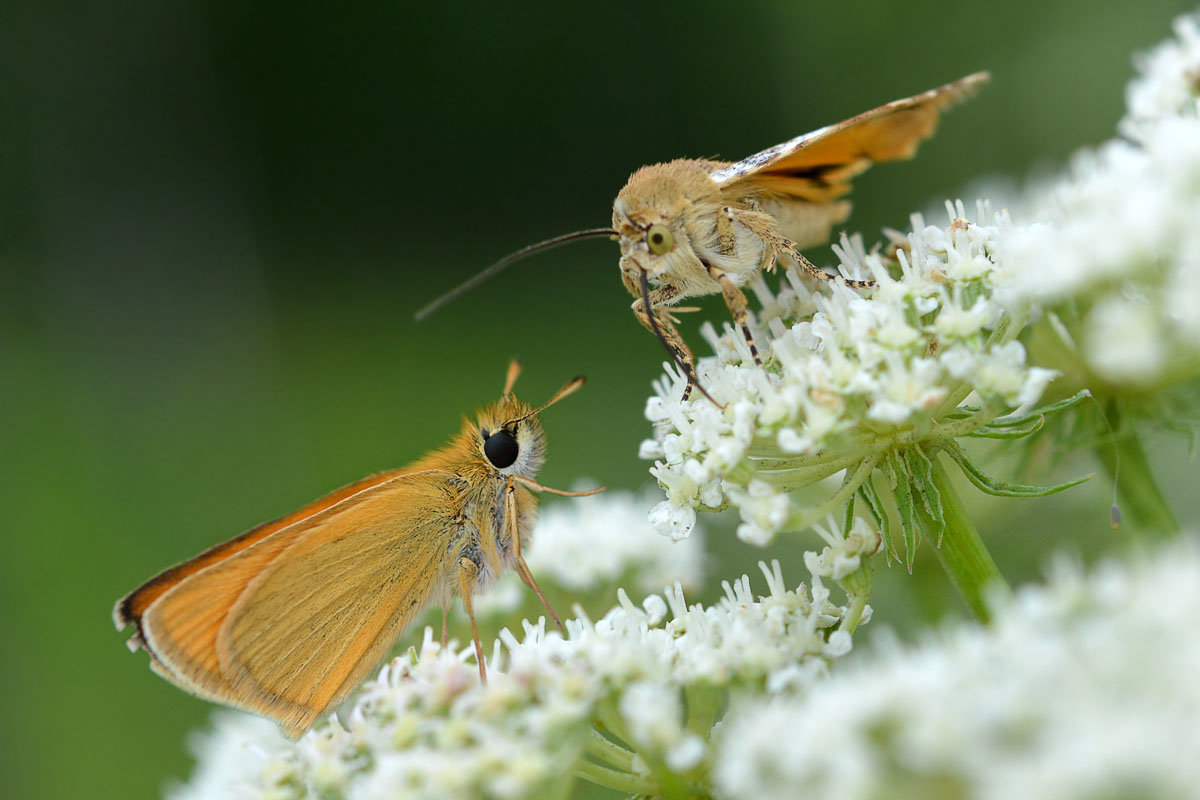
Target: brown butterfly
693, 227
286, 619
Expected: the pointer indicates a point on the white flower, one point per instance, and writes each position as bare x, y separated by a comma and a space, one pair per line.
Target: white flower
1123, 342
1084, 688
764, 511
844, 553
237, 758
595, 543
852, 374
1169, 84
1118, 254
605, 540
654, 712
674, 522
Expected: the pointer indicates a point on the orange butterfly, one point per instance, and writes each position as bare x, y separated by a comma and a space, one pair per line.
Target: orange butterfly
286, 619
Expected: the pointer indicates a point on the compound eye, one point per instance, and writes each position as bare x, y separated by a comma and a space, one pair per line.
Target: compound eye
501, 449
659, 240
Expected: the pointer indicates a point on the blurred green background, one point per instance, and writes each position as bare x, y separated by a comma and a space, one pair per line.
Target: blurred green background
216, 221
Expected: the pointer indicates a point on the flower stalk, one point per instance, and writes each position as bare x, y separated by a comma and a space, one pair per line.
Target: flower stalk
857, 586
623, 782
961, 550
606, 749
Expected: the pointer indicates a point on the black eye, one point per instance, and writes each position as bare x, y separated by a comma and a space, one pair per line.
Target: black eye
501, 449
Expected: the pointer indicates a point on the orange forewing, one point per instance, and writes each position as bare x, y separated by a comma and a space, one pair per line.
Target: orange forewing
818, 166
289, 626
132, 606
183, 624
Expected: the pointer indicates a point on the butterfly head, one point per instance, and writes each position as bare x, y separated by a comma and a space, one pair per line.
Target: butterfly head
509, 433
510, 437
654, 216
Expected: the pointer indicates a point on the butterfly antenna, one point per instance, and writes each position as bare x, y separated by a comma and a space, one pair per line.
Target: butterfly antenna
511, 258
514, 370
572, 386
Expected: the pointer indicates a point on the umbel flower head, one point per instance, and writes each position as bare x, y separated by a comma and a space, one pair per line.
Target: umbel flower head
586, 548
1083, 688
855, 382
654, 677
1078, 689
1117, 258
1168, 83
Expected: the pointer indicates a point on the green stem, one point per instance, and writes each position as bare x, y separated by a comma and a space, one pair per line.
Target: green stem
610, 718
808, 462
962, 553
703, 703
802, 476
767, 448
963, 427
854, 612
622, 782
605, 749
801, 518
666, 783
858, 586
1141, 500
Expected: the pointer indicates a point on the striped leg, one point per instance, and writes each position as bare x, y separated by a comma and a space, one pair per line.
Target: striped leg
738, 307
468, 573
512, 519
763, 226
658, 320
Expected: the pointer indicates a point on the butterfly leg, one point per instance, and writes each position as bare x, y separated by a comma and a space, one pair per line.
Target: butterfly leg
514, 525
763, 226
738, 307
659, 300
468, 573
652, 311
445, 640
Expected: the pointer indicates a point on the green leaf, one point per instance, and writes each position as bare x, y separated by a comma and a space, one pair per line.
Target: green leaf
1053, 408
962, 412
921, 469
988, 432
882, 520
902, 492
1001, 489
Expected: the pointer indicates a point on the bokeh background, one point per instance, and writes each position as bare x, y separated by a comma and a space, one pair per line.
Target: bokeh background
216, 221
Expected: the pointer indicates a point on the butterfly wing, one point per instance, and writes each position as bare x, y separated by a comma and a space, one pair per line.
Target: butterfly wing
288, 626
132, 606
817, 167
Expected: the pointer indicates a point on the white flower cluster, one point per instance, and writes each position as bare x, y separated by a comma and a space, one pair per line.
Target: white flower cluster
231, 758
427, 728
605, 541
595, 544
1169, 83
844, 553
849, 374
1119, 256
1084, 688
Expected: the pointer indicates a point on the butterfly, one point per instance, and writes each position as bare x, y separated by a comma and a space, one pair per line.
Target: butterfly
693, 227
287, 619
